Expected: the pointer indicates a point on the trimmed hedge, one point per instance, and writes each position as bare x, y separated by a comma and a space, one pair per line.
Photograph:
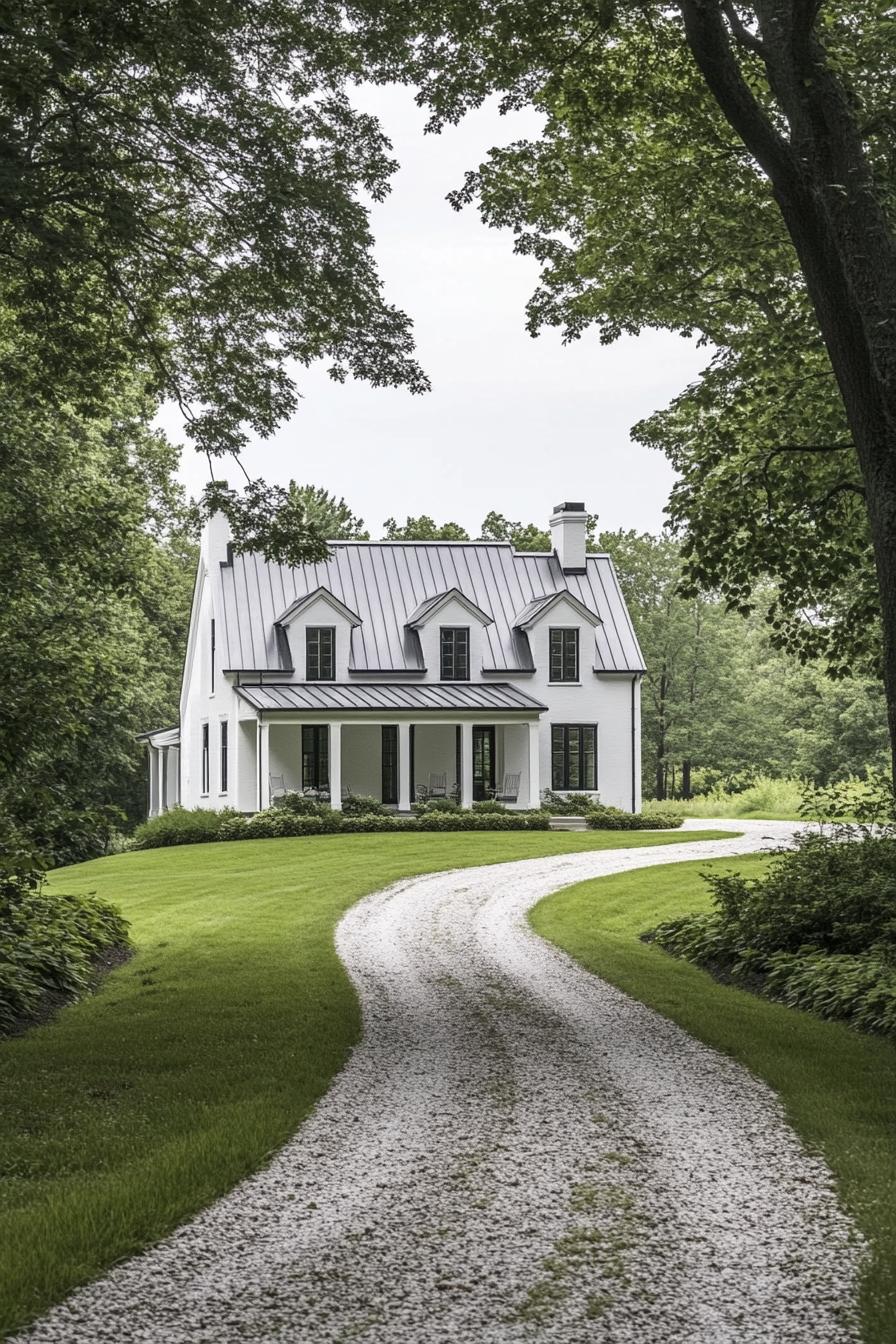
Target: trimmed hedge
281, 821
49, 946
600, 818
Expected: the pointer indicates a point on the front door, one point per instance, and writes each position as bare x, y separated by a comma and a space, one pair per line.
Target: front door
483, 763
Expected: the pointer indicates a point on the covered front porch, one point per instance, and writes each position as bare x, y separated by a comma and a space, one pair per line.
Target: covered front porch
392, 754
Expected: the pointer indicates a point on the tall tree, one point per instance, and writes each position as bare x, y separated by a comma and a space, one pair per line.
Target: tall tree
423, 528
96, 576
183, 188
789, 103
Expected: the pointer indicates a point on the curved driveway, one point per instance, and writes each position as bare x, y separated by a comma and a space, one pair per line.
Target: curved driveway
515, 1152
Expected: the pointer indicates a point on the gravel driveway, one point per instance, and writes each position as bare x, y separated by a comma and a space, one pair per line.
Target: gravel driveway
515, 1152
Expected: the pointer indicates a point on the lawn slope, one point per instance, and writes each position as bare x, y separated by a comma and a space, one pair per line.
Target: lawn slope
837, 1085
203, 1054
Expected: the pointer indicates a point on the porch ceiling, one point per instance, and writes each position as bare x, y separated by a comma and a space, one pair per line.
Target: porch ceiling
433, 697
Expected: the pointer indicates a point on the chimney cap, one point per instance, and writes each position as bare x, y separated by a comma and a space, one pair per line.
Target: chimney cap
569, 508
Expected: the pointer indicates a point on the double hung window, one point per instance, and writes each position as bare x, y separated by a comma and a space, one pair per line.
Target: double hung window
320, 641
564, 655
455, 653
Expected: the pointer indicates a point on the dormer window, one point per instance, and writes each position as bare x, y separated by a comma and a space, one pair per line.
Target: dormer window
564, 655
455, 652
320, 644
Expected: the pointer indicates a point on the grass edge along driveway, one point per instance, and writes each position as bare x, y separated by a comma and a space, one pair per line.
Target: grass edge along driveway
202, 1055
837, 1086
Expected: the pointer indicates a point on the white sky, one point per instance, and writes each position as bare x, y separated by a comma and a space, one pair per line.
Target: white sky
512, 423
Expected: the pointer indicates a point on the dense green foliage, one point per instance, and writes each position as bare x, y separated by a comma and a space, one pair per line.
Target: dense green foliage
720, 704
49, 946
599, 817
148, 1100
96, 575
183, 826
817, 931
838, 1086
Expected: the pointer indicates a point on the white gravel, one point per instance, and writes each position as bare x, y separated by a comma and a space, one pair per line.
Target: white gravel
515, 1152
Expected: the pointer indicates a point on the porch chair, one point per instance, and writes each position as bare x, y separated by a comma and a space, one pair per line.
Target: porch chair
510, 789
438, 786
277, 785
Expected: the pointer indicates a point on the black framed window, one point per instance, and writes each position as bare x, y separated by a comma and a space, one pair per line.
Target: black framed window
390, 763
212, 655
320, 642
223, 761
564, 655
205, 770
455, 653
574, 756
315, 756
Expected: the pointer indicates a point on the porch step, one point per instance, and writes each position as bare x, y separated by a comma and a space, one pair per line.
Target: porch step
568, 824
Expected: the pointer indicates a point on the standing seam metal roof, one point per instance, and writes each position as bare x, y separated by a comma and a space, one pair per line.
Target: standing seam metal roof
386, 582
334, 695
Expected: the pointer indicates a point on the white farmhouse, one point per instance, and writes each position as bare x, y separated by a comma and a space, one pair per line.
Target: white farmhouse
465, 668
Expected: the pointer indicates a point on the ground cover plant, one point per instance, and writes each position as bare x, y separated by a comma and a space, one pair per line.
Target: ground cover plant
198, 1058
837, 1085
50, 946
816, 930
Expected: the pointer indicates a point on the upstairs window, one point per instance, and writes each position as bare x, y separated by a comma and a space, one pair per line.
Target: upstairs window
455, 653
564, 655
205, 770
320, 663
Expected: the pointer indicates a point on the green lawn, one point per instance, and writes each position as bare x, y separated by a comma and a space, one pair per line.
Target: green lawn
201, 1055
838, 1086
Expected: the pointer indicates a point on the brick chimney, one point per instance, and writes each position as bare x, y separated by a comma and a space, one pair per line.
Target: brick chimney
569, 524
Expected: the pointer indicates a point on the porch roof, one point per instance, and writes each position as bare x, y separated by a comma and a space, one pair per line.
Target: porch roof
347, 698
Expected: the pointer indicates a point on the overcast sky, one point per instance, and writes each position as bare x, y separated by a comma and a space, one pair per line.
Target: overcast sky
512, 423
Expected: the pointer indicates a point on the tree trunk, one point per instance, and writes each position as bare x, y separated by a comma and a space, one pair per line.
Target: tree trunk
661, 735
686, 779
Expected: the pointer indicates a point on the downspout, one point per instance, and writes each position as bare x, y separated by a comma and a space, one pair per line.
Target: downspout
635, 679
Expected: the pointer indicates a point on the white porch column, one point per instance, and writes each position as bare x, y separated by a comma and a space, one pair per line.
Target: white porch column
534, 765
264, 764
404, 767
336, 766
153, 781
466, 765
163, 754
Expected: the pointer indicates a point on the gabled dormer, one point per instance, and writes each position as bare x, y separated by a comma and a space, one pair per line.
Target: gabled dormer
450, 628
314, 636
560, 630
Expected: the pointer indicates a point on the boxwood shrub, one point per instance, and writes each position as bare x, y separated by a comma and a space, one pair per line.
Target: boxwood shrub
49, 946
182, 826
279, 821
601, 818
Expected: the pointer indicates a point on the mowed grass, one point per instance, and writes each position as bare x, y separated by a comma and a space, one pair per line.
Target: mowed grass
140, 1105
838, 1086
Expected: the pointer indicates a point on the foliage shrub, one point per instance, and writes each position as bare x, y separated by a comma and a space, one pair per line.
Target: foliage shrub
49, 945
181, 826
359, 805
484, 821
817, 931
601, 818
489, 805
567, 804
277, 822
426, 805
300, 805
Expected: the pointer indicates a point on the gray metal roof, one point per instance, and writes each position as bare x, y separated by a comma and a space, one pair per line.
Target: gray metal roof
387, 582
334, 695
